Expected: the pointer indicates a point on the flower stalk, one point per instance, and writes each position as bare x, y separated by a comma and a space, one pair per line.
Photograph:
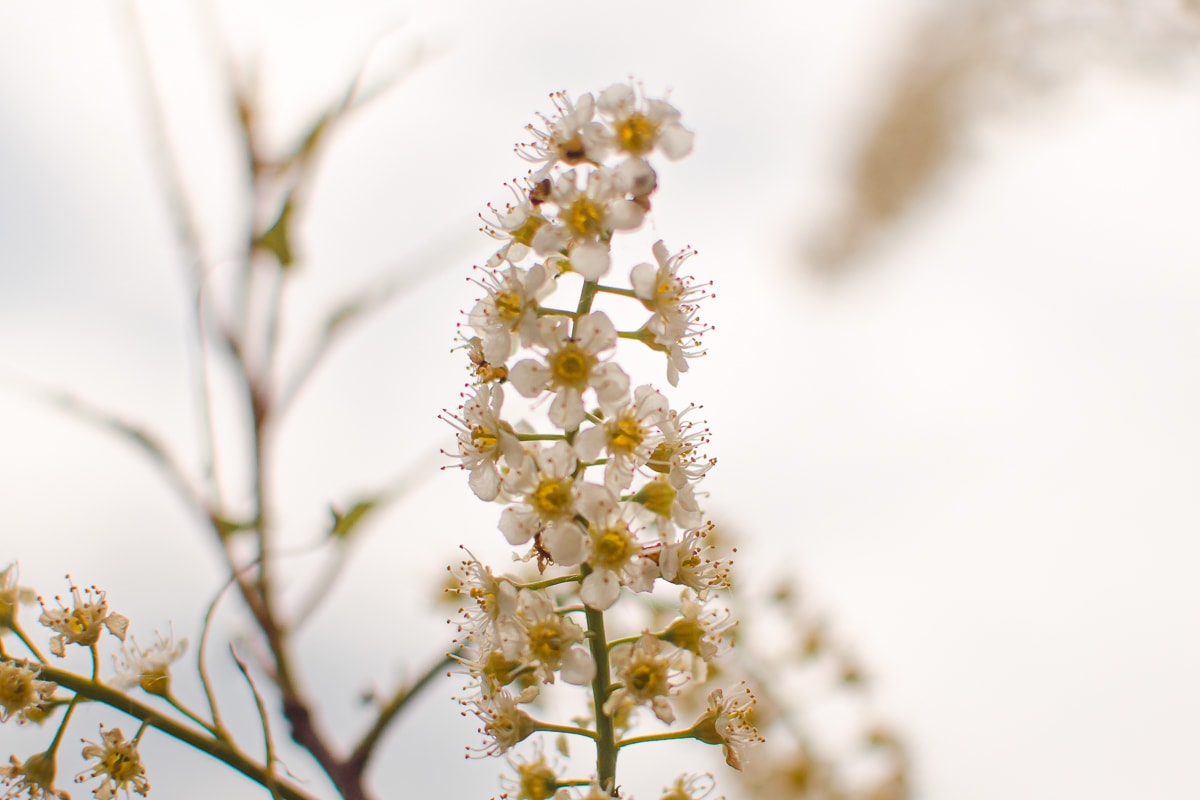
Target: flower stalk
597, 475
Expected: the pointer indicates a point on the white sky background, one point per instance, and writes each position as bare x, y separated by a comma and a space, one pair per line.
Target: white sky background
978, 451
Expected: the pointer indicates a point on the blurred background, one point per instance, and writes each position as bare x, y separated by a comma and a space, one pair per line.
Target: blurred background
952, 387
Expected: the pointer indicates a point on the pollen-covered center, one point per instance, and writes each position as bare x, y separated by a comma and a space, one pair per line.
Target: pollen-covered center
647, 679
538, 783
636, 134
570, 367
483, 438
546, 643
583, 218
625, 435
16, 690
552, 498
571, 151
121, 764
669, 288
612, 548
523, 233
508, 306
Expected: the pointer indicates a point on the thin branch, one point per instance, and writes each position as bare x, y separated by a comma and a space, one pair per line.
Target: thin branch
366, 746
268, 739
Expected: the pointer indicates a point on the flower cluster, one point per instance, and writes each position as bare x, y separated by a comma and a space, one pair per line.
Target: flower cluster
602, 497
26, 697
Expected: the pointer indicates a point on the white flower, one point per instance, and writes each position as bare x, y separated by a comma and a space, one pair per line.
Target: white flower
34, 779
649, 672
625, 436
12, 596
149, 668
614, 554
690, 787
572, 136
699, 630
586, 221
117, 763
725, 723
676, 450
684, 563
546, 479
515, 226
669, 506
483, 437
508, 312
672, 299
572, 365
541, 638
641, 124
537, 778
504, 722
493, 599
21, 692
84, 623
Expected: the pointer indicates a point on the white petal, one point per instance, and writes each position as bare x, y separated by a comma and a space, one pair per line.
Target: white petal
616, 97
517, 526
578, 667
597, 332
565, 543
529, 377
485, 481
600, 589
550, 238
612, 386
567, 409
589, 443
625, 215
644, 278
676, 141
590, 259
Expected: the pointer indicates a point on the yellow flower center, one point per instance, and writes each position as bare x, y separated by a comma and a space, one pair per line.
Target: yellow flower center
483, 438
611, 548
625, 434
538, 782
508, 305
583, 218
647, 679
16, 688
552, 498
546, 643
570, 366
636, 134
572, 150
120, 765
523, 233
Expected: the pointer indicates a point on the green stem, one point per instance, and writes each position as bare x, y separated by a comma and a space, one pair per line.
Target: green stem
656, 737
616, 290
182, 709
549, 727
62, 726
220, 750
26, 641
606, 750
540, 437
537, 585
623, 640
